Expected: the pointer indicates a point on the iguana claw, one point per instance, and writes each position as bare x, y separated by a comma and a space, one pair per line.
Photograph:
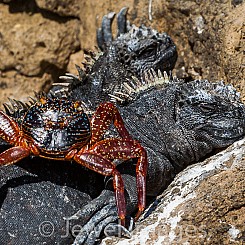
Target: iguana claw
99, 216
122, 21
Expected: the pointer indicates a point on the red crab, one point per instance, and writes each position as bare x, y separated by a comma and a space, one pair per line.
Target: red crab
60, 129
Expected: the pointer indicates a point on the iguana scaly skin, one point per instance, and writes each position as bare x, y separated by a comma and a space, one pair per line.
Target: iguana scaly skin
179, 123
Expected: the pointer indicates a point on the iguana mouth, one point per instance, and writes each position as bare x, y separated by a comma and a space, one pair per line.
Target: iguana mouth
227, 134
225, 128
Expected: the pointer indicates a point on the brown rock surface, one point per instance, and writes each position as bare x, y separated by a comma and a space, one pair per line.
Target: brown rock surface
61, 7
210, 38
31, 42
205, 204
35, 51
21, 86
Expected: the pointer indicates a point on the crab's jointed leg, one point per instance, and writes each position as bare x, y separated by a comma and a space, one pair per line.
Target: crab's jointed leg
13, 155
10, 132
127, 149
105, 167
105, 114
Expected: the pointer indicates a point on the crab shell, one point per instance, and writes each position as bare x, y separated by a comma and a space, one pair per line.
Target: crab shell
56, 126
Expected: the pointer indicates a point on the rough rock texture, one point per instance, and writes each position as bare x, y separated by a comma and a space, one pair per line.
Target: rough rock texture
210, 39
35, 50
43, 42
37, 195
21, 86
205, 204
40, 37
61, 7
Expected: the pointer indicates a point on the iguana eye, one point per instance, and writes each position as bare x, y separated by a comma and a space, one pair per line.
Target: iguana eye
148, 51
206, 107
151, 48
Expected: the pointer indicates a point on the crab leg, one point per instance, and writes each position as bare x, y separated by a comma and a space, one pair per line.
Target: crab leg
127, 149
10, 132
105, 114
105, 167
141, 171
9, 129
13, 155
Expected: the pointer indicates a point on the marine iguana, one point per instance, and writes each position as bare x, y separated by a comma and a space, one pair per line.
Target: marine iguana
26, 189
177, 122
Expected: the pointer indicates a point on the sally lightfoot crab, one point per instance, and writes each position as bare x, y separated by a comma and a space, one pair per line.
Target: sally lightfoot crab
62, 130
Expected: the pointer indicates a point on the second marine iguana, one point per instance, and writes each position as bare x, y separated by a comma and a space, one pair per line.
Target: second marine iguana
178, 123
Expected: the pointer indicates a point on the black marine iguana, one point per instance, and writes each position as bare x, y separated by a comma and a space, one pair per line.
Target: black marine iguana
32, 190
178, 123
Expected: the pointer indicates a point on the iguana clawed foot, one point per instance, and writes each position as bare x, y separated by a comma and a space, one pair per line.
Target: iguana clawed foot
99, 216
104, 34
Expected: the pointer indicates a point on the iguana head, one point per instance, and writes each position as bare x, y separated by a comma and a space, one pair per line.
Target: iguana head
212, 110
143, 48
135, 51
